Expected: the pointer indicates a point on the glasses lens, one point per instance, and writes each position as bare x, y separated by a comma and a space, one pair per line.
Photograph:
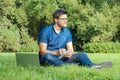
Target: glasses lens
63, 18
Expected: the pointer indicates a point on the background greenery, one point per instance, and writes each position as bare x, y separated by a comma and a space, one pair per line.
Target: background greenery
10, 71
92, 22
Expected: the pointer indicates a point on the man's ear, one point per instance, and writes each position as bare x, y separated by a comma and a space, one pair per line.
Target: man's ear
55, 20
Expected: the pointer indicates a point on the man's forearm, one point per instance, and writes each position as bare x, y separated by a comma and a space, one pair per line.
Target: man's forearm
47, 51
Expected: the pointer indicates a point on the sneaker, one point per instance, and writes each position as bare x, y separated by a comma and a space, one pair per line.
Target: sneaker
107, 64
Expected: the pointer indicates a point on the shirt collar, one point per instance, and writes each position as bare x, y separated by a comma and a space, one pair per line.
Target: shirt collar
62, 30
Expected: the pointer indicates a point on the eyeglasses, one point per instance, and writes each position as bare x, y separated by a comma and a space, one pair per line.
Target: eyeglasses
63, 18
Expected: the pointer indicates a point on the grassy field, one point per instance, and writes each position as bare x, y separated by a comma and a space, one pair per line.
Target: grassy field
9, 70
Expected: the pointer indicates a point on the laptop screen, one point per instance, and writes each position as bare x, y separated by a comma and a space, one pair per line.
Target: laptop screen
26, 59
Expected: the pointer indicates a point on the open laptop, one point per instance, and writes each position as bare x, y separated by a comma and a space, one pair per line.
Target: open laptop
27, 59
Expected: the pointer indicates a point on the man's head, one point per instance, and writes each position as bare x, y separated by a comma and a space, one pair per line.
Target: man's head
60, 18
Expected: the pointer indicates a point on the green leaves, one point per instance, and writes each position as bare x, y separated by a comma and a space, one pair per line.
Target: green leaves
96, 21
9, 36
102, 47
7, 7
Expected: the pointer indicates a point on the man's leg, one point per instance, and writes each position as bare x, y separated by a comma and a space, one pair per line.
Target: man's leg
50, 59
84, 60
80, 58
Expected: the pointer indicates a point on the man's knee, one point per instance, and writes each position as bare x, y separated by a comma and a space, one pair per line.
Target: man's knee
47, 56
82, 54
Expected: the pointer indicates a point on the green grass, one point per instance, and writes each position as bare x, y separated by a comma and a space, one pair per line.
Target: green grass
9, 70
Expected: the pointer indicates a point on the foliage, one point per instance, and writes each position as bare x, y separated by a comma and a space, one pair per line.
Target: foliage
95, 26
102, 47
21, 17
89, 21
27, 43
11, 22
7, 7
9, 36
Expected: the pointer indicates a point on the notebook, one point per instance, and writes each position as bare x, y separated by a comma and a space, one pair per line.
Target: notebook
27, 59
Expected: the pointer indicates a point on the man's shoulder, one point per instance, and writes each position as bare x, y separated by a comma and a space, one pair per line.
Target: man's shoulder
47, 28
66, 29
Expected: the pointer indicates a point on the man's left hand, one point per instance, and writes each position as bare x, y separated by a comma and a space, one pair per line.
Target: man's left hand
68, 55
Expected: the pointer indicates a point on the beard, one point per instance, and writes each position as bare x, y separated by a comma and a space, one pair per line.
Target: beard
62, 25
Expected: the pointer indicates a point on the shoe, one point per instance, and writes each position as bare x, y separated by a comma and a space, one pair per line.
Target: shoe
107, 64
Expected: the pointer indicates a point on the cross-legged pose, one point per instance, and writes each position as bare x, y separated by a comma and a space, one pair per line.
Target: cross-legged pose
56, 39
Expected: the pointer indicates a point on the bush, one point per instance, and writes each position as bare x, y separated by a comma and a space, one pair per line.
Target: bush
102, 47
9, 36
92, 21
15, 39
94, 25
31, 46
27, 43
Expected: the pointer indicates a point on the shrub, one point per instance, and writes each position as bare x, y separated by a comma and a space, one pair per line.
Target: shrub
9, 36
27, 43
92, 21
102, 47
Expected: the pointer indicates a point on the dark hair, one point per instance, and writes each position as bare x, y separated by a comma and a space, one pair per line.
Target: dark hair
58, 12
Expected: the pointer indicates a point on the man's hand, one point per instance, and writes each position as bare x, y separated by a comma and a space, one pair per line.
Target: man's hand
60, 51
68, 55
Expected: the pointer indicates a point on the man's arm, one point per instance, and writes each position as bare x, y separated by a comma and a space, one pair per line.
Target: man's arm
43, 49
69, 47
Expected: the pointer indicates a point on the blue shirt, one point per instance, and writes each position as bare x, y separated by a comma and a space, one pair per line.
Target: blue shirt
53, 40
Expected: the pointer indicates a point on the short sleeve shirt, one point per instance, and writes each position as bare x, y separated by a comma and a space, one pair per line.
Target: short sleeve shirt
53, 40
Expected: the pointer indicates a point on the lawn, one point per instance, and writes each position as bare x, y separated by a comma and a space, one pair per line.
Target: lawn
9, 70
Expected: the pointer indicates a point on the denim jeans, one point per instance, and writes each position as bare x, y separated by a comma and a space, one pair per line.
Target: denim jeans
80, 58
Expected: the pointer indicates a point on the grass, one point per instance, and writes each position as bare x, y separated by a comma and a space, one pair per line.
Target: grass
9, 70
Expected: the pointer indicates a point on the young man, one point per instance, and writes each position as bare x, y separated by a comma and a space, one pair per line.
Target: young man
56, 39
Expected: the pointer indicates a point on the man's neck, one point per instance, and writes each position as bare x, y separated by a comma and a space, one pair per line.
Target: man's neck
57, 28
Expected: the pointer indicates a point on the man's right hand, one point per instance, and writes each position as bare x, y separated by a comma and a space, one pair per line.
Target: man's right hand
60, 51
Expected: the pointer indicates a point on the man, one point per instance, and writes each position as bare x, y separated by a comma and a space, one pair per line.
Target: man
56, 39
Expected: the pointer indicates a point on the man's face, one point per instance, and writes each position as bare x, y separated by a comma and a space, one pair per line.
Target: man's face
61, 21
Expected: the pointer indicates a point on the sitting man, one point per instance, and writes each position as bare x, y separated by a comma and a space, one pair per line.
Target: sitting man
56, 39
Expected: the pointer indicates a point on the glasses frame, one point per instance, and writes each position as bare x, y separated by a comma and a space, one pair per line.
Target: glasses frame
63, 18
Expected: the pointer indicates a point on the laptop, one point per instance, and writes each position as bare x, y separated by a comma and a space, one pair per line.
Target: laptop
27, 59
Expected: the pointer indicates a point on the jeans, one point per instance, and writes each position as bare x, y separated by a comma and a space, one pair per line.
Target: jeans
81, 58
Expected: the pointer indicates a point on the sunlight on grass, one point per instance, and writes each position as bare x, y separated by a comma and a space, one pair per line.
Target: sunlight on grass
9, 70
